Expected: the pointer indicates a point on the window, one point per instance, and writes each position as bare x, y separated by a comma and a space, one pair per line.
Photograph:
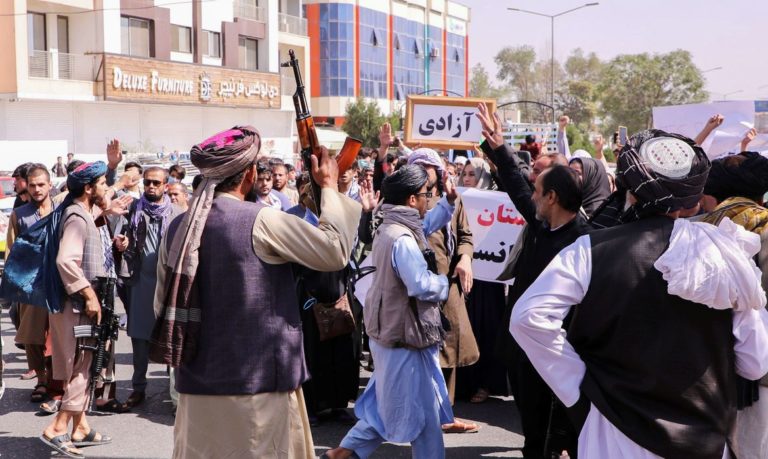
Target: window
249, 53
62, 30
134, 34
36, 30
181, 39
211, 44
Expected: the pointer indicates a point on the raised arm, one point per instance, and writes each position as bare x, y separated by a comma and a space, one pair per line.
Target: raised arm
712, 123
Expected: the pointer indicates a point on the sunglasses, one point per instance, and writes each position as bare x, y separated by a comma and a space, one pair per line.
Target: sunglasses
148, 182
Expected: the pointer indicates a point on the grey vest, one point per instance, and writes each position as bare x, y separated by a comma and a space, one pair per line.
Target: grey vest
250, 331
388, 314
92, 263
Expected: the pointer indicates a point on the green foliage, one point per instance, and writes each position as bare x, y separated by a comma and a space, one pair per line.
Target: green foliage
480, 84
631, 85
578, 140
363, 120
528, 79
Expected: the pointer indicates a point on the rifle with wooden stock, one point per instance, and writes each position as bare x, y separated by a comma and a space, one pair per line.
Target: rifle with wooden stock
305, 125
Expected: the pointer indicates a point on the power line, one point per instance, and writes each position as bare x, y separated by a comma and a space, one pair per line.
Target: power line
180, 2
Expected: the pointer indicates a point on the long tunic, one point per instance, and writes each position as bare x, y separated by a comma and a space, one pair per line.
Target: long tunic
536, 325
141, 314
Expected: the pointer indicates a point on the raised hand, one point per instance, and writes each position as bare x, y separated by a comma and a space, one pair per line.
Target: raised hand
325, 170
715, 121
491, 126
385, 135
114, 154
368, 198
450, 189
748, 137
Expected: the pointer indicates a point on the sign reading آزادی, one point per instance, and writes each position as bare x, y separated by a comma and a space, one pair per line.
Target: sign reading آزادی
147, 80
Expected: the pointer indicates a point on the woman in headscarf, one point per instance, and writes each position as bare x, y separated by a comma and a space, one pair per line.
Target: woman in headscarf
594, 182
485, 307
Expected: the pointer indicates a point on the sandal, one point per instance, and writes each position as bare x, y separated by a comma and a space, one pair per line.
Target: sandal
90, 440
39, 395
51, 406
480, 396
63, 444
460, 427
113, 406
135, 399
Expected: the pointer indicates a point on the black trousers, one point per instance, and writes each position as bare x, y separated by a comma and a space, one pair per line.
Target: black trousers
546, 426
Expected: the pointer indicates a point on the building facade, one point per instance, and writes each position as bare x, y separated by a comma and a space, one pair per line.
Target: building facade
385, 50
160, 75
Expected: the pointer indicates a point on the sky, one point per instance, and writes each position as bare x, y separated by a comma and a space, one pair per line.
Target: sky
725, 34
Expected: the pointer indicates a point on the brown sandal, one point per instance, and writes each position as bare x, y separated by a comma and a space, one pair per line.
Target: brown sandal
39, 394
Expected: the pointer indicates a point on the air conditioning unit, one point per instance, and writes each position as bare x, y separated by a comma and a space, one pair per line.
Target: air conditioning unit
434, 52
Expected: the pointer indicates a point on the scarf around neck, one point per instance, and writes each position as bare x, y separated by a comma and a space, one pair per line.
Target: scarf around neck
408, 217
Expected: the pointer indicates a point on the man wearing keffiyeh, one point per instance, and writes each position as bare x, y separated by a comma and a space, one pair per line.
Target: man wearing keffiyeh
144, 227
228, 316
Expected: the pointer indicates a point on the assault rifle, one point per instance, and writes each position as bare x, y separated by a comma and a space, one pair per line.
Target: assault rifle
305, 125
104, 332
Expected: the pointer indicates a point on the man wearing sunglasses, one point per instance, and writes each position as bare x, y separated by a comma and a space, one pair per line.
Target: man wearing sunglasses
138, 236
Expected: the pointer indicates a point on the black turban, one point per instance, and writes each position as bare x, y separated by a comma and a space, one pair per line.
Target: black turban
404, 182
665, 172
745, 175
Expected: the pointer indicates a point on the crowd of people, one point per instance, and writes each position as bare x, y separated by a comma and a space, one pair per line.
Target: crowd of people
635, 325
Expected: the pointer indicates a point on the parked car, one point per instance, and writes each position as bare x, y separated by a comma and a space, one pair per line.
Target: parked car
6, 187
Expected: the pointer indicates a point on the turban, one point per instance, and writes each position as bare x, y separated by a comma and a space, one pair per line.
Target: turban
426, 157
84, 174
218, 158
665, 172
404, 182
744, 175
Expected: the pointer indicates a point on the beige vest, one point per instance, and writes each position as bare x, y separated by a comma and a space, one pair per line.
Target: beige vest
388, 314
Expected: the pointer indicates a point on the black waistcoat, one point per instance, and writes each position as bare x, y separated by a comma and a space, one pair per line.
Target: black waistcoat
659, 368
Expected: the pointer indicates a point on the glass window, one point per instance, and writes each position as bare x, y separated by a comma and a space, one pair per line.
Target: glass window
211, 44
181, 39
134, 35
36, 30
249, 53
62, 31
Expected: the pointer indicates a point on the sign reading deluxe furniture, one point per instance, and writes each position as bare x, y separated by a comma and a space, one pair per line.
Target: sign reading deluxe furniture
144, 80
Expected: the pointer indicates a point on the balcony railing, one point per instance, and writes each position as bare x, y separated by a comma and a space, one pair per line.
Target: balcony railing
248, 10
292, 24
61, 66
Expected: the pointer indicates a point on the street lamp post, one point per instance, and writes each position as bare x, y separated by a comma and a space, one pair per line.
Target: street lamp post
552, 27
711, 70
725, 96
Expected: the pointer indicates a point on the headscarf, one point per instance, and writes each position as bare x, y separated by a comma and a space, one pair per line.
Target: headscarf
482, 173
665, 172
225, 154
85, 174
595, 185
581, 154
742, 211
745, 174
427, 157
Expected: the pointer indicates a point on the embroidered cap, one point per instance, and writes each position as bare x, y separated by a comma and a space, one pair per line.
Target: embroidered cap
668, 156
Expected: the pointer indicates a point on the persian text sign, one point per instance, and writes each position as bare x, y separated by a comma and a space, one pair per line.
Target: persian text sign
444, 122
495, 224
146, 80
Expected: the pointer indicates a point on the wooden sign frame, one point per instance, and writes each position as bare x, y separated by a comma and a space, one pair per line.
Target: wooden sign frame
469, 102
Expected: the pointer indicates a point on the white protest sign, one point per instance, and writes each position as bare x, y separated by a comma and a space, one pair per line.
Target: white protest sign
495, 225
689, 120
444, 122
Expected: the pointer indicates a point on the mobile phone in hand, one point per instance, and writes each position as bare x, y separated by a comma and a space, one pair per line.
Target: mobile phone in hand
622, 135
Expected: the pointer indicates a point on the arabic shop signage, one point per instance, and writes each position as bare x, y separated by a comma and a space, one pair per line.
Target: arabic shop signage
444, 122
144, 80
495, 225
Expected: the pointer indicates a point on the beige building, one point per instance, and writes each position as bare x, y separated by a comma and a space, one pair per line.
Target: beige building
156, 74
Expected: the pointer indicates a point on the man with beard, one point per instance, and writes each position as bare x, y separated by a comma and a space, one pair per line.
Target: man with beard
665, 313
33, 320
280, 183
146, 223
264, 193
80, 260
20, 185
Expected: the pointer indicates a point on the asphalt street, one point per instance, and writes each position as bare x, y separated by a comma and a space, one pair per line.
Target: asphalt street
147, 431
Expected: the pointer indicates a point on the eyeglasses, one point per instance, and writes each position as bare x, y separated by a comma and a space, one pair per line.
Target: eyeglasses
426, 194
148, 182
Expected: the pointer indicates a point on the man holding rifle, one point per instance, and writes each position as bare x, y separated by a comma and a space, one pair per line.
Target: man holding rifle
229, 321
80, 261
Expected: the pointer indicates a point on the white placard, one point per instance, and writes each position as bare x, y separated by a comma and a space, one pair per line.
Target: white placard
495, 225
446, 123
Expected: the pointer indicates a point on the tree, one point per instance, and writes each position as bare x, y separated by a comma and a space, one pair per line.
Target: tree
363, 120
577, 97
480, 84
631, 85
